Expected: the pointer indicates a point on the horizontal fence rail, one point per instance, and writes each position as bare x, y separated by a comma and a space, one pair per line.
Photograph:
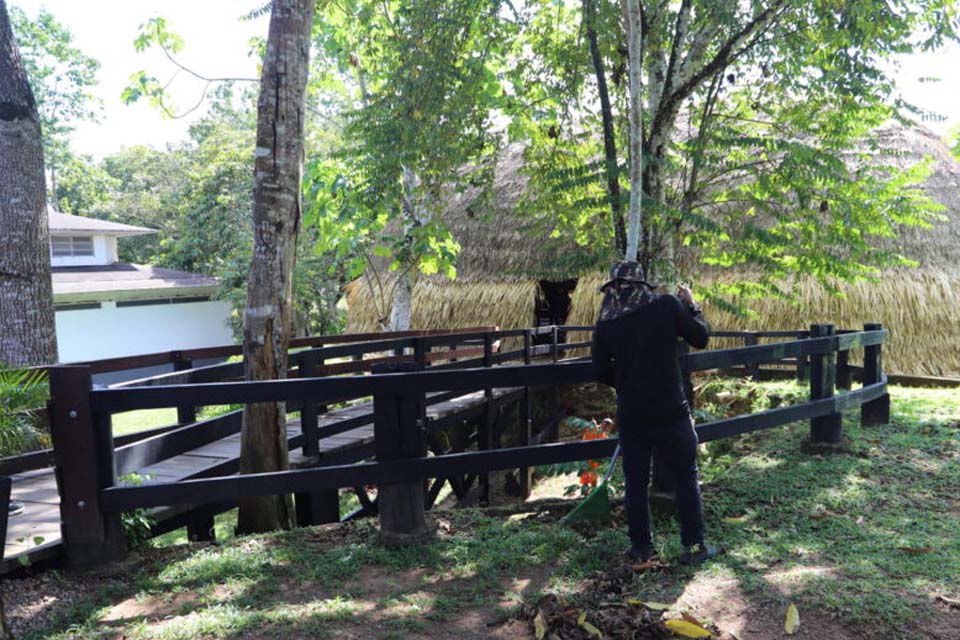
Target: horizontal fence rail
330, 389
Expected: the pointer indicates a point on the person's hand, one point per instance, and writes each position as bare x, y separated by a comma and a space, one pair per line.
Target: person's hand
685, 295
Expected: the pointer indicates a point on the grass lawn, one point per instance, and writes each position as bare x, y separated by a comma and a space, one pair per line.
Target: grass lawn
133, 421
862, 543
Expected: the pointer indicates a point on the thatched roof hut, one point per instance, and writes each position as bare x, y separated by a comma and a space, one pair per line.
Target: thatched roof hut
918, 305
511, 276
508, 273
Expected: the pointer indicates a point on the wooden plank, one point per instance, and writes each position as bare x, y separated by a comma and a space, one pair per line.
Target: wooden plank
37, 489
38, 520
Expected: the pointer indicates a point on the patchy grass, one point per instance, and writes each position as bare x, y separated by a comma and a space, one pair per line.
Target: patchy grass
134, 421
861, 543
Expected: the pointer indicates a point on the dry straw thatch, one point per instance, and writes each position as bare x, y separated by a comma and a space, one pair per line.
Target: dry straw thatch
501, 261
501, 264
918, 305
453, 305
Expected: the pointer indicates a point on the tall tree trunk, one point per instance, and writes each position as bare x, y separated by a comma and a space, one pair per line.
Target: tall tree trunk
401, 305
276, 221
415, 208
609, 137
635, 71
27, 330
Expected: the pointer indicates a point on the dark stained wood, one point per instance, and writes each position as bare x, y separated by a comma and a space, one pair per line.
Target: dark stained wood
186, 413
844, 375
875, 412
85, 467
5, 486
823, 368
398, 437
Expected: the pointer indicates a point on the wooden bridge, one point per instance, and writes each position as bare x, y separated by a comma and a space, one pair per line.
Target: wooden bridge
206, 448
466, 385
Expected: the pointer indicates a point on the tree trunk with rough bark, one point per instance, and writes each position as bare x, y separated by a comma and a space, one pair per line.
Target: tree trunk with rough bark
276, 221
27, 329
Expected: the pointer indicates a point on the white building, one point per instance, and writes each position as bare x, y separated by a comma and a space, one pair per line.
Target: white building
106, 309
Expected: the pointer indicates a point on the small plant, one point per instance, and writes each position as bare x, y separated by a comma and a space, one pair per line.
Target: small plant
137, 524
22, 393
588, 471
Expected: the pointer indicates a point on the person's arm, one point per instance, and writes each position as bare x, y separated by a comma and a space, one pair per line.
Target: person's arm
690, 323
604, 365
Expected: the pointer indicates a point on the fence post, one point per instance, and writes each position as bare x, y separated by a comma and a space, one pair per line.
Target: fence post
397, 435
83, 451
823, 370
486, 437
186, 414
308, 414
554, 402
844, 379
875, 412
751, 339
6, 485
524, 414
803, 363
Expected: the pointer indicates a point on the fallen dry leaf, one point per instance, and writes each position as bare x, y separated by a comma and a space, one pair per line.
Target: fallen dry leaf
539, 626
792, 623
689, 618
915, 549
687, 629
738, 519
653, 606
950, 602
643, 566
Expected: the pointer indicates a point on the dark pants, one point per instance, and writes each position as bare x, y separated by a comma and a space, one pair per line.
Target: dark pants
675, 445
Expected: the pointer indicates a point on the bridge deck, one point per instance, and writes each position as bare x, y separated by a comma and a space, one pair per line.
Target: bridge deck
38, 489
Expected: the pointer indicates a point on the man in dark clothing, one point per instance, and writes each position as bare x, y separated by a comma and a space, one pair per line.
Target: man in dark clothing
635, 351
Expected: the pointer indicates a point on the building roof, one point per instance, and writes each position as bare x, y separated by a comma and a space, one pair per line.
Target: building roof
65, 223
121, 281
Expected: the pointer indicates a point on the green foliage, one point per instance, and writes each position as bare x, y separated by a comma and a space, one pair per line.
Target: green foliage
427, 78
762, 158
22, 392
61, 77
137, 524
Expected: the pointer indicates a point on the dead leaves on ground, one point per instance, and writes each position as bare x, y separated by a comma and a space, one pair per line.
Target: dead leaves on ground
792, 623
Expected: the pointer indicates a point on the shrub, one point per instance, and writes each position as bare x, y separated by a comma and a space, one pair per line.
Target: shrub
22, 393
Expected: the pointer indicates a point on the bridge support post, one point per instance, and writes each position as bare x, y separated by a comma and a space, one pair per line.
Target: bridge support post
875, 412
826, 429
6, 486
750, 339
308, 414
485, 435
83, 451
186, 414
397, 435
524, 414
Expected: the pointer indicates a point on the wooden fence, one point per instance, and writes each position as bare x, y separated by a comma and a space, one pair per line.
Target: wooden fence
91, 500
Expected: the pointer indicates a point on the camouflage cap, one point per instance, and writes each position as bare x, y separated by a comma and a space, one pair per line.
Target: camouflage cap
626, 291
625, 271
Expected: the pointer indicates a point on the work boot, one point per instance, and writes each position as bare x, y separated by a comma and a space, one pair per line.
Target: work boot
15, 508
698, 553
639, 553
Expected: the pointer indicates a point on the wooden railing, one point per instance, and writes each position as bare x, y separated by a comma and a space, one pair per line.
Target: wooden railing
92, 501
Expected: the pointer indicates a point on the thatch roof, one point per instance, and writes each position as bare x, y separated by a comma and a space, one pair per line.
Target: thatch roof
501, 263
933, 248
917, 305
500, 241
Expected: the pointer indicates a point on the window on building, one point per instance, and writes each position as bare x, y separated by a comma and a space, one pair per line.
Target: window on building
71, 246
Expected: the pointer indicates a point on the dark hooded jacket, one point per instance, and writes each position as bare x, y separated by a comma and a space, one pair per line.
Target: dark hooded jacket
636, 352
